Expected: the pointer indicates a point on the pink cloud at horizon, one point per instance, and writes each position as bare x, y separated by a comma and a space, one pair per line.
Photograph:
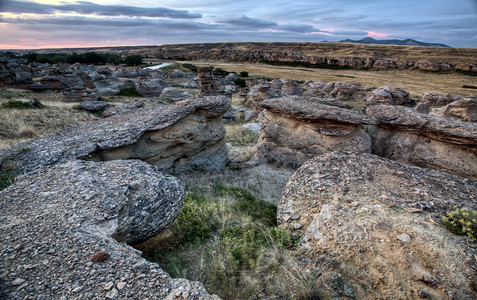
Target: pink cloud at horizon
375, 34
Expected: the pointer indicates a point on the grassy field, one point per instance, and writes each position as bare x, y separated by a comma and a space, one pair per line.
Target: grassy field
414, 81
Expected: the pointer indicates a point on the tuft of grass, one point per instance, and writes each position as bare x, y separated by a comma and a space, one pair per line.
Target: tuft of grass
15, 104
462, 221
229, 240
6, 179
467, 86
128, 92
237, 135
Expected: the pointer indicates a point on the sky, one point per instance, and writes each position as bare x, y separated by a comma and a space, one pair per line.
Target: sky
33, 24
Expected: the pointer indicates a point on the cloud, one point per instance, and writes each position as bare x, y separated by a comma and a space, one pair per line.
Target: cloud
299, 28
85, 8
245, 21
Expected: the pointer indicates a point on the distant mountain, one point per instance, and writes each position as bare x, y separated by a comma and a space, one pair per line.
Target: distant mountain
407, 42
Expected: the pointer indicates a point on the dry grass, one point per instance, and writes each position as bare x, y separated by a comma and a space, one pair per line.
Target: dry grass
18, 126
414, 81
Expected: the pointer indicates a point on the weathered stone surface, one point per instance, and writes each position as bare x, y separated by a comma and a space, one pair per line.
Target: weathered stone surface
465, 109
430, 141
123, 109
188, 134
206, 80
389, 95
93, 105
151, 88
78, 94
54, 220
374, 224
295, 129
435, 99
174, 93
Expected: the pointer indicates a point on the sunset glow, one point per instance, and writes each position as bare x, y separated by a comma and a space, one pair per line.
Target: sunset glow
68, 23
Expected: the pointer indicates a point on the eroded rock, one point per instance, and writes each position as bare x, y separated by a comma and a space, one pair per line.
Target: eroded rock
430, 141
186, 135
465, 109
374, 224
53, 221
389, 95
295, 129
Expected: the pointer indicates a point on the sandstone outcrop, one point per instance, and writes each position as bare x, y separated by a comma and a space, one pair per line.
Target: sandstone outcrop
465, 109
151, 88
389, 95
435, 99
63, 231
429, 141
295, 129
371, 228
93, 105
189, 134
78, 94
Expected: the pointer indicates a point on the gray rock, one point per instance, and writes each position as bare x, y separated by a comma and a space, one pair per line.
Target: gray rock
352, 207
76, 208
78, 94
389, 95
174, 93
123, 109
253, 127
465, 109
430, 141
151, 88
93, 105
295, 129
165, 136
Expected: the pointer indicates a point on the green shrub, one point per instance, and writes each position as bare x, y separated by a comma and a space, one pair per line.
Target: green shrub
133, 60
237, 135
6, 179
243, 74
229, 241
240, 82
221, 72
191, 67
128, 92
466, 86
462, 221
15, 104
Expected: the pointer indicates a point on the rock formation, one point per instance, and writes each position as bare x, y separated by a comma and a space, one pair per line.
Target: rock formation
78, 94
435, 99
189, 134
430, 141
465, 109
371, 228
61, 230
206, 80
295, 129
94, 105
389, 95
151, 88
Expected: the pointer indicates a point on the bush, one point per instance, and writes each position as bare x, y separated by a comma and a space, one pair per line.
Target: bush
133, 60
220, 72
240, 82
462, 221
15, 104
6, 179
128, 92
243, 74
191, 67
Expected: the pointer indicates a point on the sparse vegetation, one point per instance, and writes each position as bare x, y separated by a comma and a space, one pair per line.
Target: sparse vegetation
466, 86
238, 135
15, 104
243, 74
462, 221
240, 82
133, 60
221, 72
191, 67
83, 58
229, 240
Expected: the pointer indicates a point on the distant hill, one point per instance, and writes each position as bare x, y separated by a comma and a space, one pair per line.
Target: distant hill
406, 42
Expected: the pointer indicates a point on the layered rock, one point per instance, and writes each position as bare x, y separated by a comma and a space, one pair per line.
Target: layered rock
93, 105
465, 109
151, 88
435, 99
78, 94
430, 141
187, 135
61, 230
295, 129
370, 228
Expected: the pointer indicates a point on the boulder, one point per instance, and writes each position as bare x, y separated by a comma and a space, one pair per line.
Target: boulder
389, 95
93, 105
370, 227
64, 231
174, 93
151, 88
189, 134
465, 109
435, 99
295, 129
260, 92
430, 141
78, 94
290, 88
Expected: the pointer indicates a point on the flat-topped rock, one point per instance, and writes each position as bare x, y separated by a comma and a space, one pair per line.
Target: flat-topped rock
465, 109
389, 95
186, 135
371, 228
295, 129
58, 224
430, 141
